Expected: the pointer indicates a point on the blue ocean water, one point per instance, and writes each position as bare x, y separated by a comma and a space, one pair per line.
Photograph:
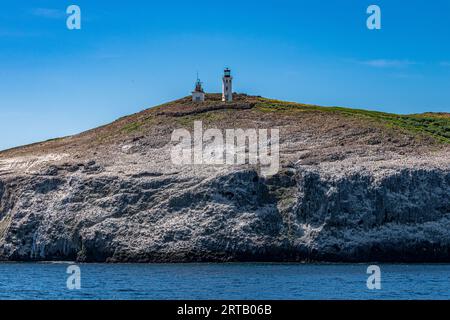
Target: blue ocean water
224, 281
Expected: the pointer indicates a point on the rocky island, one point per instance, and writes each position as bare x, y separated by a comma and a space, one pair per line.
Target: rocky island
354, 186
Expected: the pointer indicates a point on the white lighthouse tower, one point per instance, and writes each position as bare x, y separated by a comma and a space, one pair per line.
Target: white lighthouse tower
227, 88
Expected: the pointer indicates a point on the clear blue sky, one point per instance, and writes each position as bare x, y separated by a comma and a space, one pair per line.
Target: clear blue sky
130, 55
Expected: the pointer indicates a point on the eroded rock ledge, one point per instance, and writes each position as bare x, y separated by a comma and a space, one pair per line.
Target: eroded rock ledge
378, 211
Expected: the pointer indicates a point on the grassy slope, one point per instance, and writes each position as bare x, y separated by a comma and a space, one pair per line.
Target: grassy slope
436, 125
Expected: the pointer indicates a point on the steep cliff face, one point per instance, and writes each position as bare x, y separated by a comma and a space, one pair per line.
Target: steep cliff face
388, 214
351, 190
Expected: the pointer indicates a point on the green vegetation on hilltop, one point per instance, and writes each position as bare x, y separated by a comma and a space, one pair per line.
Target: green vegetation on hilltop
436, 125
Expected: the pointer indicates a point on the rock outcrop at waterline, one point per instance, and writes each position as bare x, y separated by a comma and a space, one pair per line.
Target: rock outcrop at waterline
351, 188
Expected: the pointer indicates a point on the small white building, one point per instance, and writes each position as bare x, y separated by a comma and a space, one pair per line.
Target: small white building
198, 95
227, 87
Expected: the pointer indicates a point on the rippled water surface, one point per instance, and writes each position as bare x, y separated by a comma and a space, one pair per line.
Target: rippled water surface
223, 281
